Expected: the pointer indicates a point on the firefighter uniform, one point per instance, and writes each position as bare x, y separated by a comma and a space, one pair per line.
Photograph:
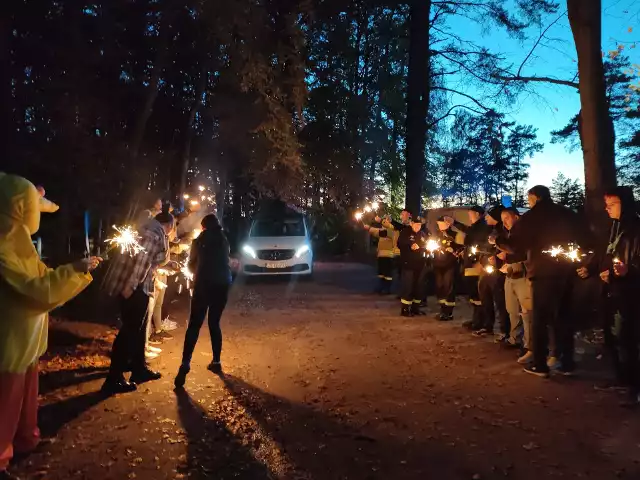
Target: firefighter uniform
445, 267
412, 262
475, 240
387, 244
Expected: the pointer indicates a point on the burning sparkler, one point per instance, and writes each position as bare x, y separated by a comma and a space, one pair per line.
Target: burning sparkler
489, 269
201, 188
617, 261
432, 246
127, 240
186, 196
571, 252
473, 251
375, 206
358, 216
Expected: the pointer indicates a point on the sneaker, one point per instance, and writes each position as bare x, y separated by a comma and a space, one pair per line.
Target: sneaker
526, 359
553, 363
112, 386
481, 332
163, 335
154, 349
500, 338
153, 340
150, 355
215, 367
537, 372
169, 325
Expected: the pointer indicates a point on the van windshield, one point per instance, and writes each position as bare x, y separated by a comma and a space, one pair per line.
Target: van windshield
290, 227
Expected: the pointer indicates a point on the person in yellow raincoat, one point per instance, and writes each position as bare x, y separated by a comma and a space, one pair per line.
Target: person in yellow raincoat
28, 291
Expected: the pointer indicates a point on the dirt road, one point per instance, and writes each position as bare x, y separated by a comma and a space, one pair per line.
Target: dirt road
326, 381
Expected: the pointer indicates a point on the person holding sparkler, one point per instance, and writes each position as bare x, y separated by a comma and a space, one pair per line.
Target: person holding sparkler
412, 246
131, 278
547, 224
474, 237
621, 273
28, 292
446, 253
517, 287
387, 240
209, 263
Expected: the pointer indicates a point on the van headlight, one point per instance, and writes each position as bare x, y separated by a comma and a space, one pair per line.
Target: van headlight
302, 250
247, 250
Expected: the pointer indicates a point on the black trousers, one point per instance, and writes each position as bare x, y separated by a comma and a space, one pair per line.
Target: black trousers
552, 309
385, 268
624, 324
411, 286
128, 348
206, 299
473, 290
445, 278
491, 290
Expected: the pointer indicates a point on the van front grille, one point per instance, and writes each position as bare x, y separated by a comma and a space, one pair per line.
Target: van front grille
275, 255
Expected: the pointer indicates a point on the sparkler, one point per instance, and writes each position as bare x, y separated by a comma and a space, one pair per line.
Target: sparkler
617, 261
372, 207
432, 246
570, 252
489, 269
201, 188
358, 216
127, 240
194, 202
473, 251
186, 196
196, 233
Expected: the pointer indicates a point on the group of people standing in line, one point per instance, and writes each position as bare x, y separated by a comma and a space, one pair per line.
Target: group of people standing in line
29, 290
511, 277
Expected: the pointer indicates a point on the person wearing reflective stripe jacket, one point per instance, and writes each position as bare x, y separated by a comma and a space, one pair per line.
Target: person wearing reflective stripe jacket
475, 240
445, 266
546, 225
387, 242
412, 257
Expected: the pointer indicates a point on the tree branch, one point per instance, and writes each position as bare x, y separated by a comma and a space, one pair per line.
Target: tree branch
448, 114
557, 81
535, 45
474, 100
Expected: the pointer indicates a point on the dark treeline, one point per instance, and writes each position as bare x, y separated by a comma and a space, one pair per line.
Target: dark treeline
322, 103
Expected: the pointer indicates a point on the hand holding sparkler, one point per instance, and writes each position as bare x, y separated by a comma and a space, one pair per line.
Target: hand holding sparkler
127, 240
570, 252
87, 265
620, 269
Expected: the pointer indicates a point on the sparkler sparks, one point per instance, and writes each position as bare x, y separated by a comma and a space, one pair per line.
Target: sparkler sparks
473, 251
432, 246
358, 216
570, 252
127, 240
196, 233
489, 269
201, 188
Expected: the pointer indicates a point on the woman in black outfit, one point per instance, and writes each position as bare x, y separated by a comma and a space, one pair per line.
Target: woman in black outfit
209, 262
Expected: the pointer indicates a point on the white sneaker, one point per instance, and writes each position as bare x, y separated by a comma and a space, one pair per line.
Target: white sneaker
526, 359
153, 349
150, 355
553, 363
169, 325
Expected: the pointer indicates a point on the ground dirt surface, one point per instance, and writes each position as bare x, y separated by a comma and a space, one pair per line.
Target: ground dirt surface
326, 381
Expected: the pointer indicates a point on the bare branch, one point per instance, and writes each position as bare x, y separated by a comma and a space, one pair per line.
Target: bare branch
557, 81
535, 45
449, 114
474, 100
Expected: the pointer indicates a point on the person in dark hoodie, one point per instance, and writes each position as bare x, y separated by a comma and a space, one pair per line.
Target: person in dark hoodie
545, 225
445, 266
209, 263
621, 273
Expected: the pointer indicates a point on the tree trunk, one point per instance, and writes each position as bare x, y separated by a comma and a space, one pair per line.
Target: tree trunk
188, 139
418, 90
596, 127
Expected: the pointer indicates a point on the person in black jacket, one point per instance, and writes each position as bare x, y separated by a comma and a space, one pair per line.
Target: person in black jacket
412, 247
445, 266
491, 283
476, 237
548, 224
621, 273
209, 263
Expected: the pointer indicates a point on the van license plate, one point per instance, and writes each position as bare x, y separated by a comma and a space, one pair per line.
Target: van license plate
276, 265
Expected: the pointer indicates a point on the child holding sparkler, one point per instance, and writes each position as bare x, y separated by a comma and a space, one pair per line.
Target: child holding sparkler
209, 263
28, 292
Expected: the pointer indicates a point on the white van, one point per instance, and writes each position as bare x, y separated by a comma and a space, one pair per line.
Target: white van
278, 245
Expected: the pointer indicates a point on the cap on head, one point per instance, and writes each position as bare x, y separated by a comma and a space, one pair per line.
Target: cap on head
477, 209
495, 212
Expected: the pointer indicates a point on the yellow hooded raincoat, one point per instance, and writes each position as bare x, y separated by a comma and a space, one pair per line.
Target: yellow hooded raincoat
28, 289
